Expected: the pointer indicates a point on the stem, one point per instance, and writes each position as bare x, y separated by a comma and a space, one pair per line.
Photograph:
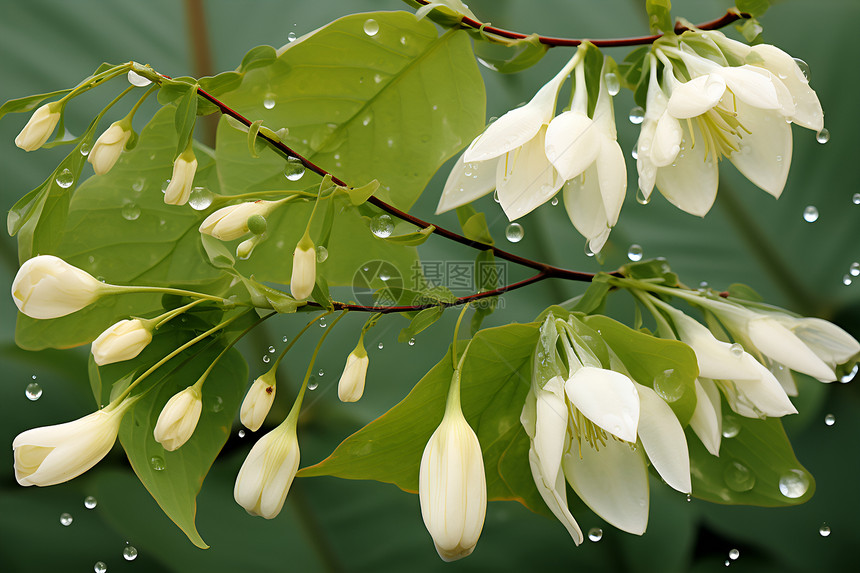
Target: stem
299, 335
725, 20
142, 99
457, 334
663, 326
118, 289
96, 80
232, 343
160, 321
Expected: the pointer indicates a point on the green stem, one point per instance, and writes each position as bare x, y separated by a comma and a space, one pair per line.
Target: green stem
163, 319
118, 289
296, 339
663, 326
96, 80
142, 99
457, 333
205, 375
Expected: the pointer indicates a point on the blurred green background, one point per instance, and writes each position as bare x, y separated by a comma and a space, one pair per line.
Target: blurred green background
335, 525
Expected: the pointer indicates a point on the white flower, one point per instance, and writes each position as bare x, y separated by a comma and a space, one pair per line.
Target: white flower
54, 454
231, 222
109, 146
40, 127
452, 487
268, 471
178, 418
121, 341
49, 287
351, 384
258, 401
304, 274
179, 189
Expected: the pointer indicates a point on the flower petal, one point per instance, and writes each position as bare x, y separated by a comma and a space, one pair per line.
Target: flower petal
612, 482
690, 183
808, 112
715, 358
752, 87
612, 177
607, 398
765, 154
667, 141
707, 420
664, 440
693, 98
512, 130
763, 396
551, 426
832, 344
555, 497
780, 344
584, 206
467, 182
525, 179
572, 143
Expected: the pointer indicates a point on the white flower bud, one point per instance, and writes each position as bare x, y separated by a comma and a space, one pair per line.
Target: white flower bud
179, 188
54, 454
122, 341
178, 419
351, 384
304, 270
39, 128
109, 146
268, 471
452, 487
49, 287
258, 401
231, 222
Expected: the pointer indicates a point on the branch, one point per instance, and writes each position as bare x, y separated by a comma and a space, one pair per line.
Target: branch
729, 17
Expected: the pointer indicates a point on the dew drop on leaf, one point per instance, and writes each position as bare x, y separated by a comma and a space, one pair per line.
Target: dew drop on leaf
269, 101
200, 198
856, 199
129, 553
312, 384
854, 269
130, 212
793, 484
322, 254
810, 214
241, 433
554, 201
85, 149
382, 226
322, 322
613, 86
738, 476
411, 341
65, 179
731, 426
291, 37
371, 27
380, 346
846, 280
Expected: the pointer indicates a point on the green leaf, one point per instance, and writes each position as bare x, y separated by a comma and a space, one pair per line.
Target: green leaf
420, 322
594, 62
742, 291
219, 255
649, 270
667, 366
257, 58
476, 229
358, 195
594, 298
509, 56
753, 7
750, 29
174, 89
320, 292
185, 118
659, 16
29, 103
255, 145
221, 83
412, 239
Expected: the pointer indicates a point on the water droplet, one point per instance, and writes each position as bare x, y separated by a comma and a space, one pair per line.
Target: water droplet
738, 476
266, 359
66, 519
217, 404
322, 322
613, 86
854, 269
804, 67
793, 484
382, 226
403, 40
850, 376
322, 254
641, 198
734, 554
411, 341
129, 553
371, 27
822, 136
554, 201
100, 567
514, 232
637, 115
856, 199
295, 169
669, 385
595, 534
130, 212
138, 184
365, 121
312, 385
200, 198
65, 179
377, 78
165, 185
824, 530
727, 563
634, 253
689, 497
731, 426
810, 214
496, 196
90, 502
137, 80
285, 339
241, 433
269, 101
380, 346
737, 350
634, 153
829, 419
384, 275
291, 37
846, 280
33, 391
587, 250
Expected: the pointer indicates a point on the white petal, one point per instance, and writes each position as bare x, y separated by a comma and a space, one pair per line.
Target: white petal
584, 205
707, 420
612, 177
752, 87
715, 358
551, 426
612, 482
512, 130
697, 96
525, 179
763, 395
808, 112
765, 154
780, 344
690, 183
667, 141
467, 182
664, 440
555, 497
607, 398
572, 143
828, 341
784, 377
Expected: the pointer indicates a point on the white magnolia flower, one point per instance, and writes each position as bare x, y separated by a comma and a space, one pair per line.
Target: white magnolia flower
258, 401
54, 454
121, 341
109, 146
179, 189
304, 273
40, 127
267, 473
178, 418
231, 222
452, 486
351, 385
49, 287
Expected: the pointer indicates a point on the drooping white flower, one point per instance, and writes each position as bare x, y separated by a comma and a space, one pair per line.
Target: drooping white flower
350, 387
304, 273
178, 419
231, 222
109, 146
179, 189
48, 287
54, 454
40, 127
267, 473
258, 401
121, 341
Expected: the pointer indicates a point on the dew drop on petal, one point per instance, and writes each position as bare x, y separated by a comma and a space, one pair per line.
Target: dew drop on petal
65, 179
100, 567
734, 554
822, 136
793, 484
291, 37
66, 519
637, 115
824, 530
634, 253
200, 198
269, 101
371, 27
90, 502
382, 226
130, 212
613, 86
595, 534
850, 375
514, 232
804, 67
129, 553
33, 391
295, 169
496, 197
641, 198
736, 349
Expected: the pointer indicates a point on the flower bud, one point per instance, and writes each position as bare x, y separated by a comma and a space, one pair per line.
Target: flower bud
179, 189
54, 454
351, 385
40, 127
452, 487
109, 146
49, 287
231, 222
178, 419
258, 401
268, 471
122, 341
304, 270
